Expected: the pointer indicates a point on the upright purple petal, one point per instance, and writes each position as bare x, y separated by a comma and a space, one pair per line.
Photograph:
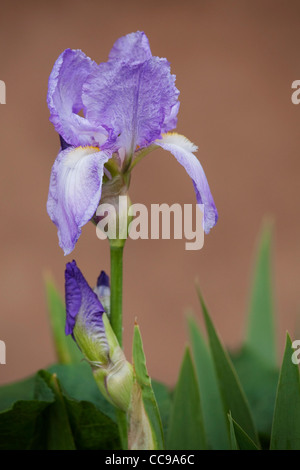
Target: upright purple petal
103, 280
103, 291
66, 80
183, 149
133, 99
73, 298
75, 191
133, 47
83, 306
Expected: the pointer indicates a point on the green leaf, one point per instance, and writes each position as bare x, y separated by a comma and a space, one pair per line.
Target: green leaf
164, 402
78, 382
55, 413
66, 349
11, 393
215, 420
240, 440
92, 429
144, 382
233, 442
261, 328
91, 417
186, 429
56, 421
259, 381
234, 398
19, 425
286, 422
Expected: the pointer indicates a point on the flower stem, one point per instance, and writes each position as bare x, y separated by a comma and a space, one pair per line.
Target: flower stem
116, 279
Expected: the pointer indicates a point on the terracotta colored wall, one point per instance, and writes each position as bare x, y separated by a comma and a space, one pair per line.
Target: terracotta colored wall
235, 62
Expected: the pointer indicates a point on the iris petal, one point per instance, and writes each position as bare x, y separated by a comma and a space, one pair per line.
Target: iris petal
133, 47
69, 73
134, 99
83, 307
75, 191
183, 149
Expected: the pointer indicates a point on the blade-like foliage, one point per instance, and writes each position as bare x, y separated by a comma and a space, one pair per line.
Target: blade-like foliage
57, 429
214, 417
234, 398
233, 441
239, 438
19, 424
261, 328
186, 429
259, 381
144, 382
286, 423
164, 401
62, 409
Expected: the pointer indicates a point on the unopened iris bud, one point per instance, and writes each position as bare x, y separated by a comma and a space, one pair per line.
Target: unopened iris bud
89, 326
103, 291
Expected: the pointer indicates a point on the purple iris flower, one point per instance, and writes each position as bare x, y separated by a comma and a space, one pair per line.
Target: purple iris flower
89, 326
119, 110
103, 291
83, 311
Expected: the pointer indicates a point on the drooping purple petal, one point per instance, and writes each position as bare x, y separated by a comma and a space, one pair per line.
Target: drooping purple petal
131, 99
133, 47
66, 80
82, 305
183, 149
75, 191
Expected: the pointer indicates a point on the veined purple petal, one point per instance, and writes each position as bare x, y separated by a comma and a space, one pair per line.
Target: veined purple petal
69, 73
75, 191
183, 149
83, 305
170, 121
133, 47
134, 99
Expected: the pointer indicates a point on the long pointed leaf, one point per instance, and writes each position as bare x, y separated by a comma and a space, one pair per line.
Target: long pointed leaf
233, 442
59, 434
215, 420
148, 399
261, 328
234, 398
186, 429
241, 438
286, 422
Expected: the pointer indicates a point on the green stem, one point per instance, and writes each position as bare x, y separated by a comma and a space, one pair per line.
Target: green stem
116, 280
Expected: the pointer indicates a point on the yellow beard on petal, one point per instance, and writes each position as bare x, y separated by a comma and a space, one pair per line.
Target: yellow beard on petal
74, 156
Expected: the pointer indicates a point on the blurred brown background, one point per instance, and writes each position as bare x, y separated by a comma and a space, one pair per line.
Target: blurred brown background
235, 62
